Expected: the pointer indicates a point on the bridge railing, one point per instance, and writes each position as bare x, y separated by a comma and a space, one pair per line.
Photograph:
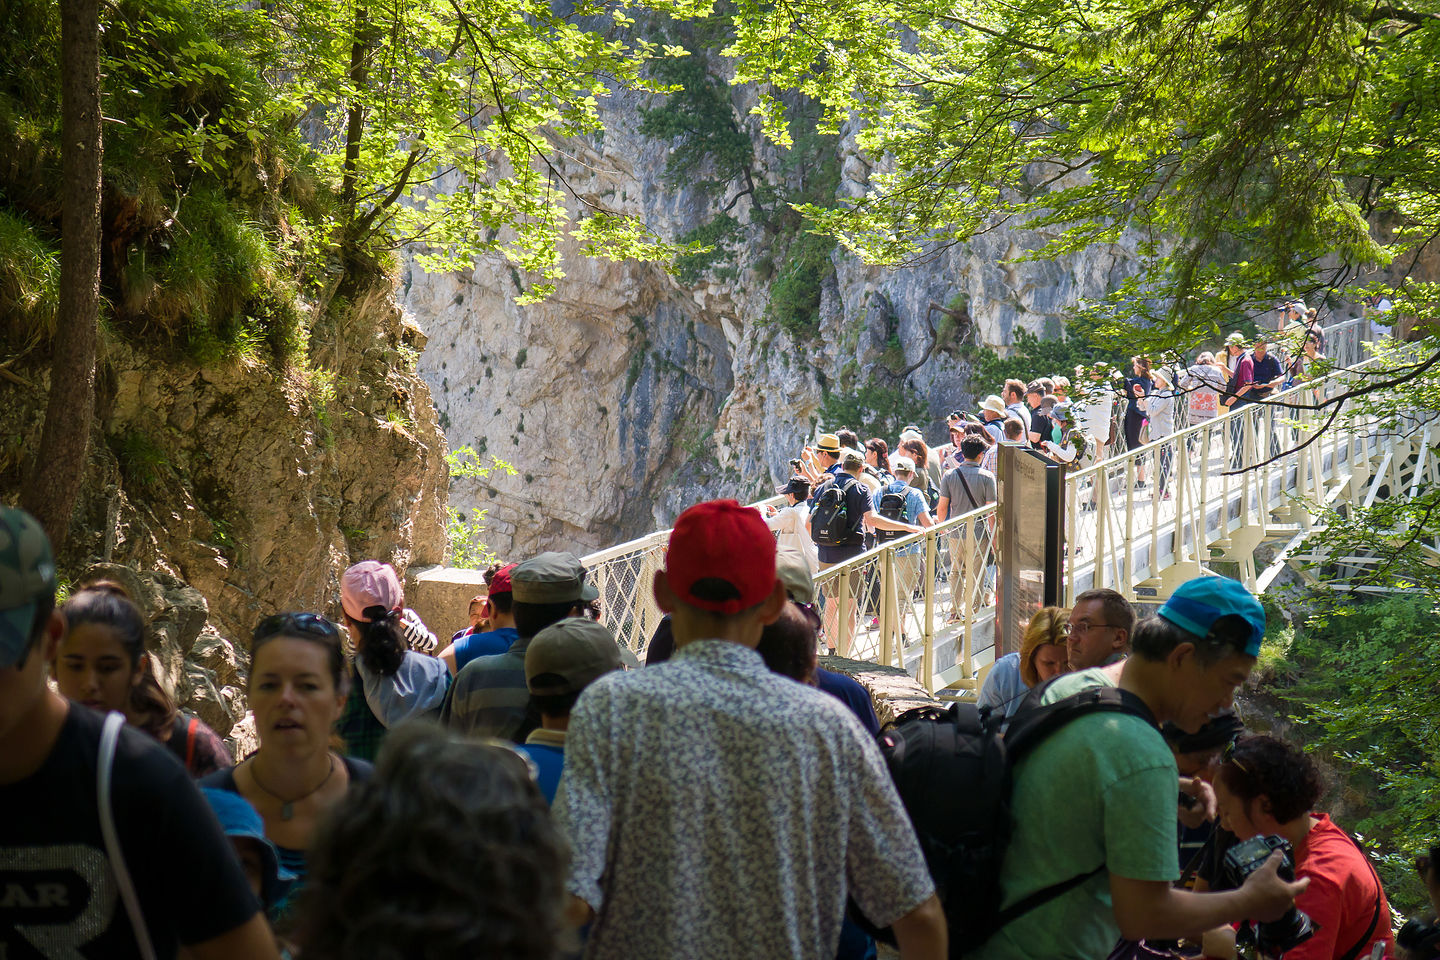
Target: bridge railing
926, 602
623, 574
1145, 520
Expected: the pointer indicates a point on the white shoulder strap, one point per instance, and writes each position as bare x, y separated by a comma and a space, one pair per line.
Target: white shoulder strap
109, 737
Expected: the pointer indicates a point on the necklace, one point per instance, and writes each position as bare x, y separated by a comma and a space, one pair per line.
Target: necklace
287, 807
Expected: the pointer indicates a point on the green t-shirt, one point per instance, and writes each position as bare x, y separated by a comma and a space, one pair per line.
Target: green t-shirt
1100, 789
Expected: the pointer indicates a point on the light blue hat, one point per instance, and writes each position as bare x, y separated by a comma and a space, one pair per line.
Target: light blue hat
1197, 604
239, 819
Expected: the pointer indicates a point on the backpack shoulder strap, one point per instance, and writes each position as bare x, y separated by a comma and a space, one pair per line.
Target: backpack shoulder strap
974, 504
1029, 727
190, 729
1354, 952
1044, 895
104, 775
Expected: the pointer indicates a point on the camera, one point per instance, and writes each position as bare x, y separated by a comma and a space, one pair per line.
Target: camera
795, 462
1289, 931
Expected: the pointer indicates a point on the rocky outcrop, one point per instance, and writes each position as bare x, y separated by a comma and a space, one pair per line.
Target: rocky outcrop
241, 488
634, 391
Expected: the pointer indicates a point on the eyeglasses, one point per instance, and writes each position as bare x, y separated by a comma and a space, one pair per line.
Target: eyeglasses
307, 623
1084, 626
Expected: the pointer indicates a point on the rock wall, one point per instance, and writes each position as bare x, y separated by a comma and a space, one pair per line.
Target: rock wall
233, 490
630, 395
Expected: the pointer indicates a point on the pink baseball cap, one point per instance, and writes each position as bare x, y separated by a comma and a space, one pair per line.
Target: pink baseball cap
370, 583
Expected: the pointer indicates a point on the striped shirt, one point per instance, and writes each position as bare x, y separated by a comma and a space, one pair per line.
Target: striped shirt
489, 697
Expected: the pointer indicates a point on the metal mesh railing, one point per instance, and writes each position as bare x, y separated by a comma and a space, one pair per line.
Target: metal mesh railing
624, 576
1147, 519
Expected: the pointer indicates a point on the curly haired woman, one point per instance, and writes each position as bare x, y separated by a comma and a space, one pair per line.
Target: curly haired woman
1267, 787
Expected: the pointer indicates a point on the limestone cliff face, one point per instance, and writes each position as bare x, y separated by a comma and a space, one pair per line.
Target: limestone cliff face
238, 490
631, 395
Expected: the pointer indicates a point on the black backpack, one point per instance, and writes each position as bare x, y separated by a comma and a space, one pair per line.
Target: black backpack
892, 507
952, 769
830, 522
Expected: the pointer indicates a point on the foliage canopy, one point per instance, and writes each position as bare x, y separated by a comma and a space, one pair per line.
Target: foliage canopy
1364, 682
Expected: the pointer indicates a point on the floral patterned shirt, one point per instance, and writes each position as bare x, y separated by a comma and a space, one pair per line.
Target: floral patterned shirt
715, 809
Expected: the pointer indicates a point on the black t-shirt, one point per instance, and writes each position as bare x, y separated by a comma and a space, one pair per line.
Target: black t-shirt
1041, 424
58, 897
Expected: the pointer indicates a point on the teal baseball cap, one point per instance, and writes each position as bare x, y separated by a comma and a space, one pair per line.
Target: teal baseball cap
1197, 604
27, 573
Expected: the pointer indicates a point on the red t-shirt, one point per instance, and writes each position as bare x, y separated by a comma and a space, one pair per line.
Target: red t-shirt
1341, 897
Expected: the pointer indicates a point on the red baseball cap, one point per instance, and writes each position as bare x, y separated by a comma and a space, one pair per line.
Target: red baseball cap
722, 540
500, 581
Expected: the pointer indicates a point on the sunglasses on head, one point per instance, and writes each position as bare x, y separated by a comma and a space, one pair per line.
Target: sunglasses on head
812, 615
311, 624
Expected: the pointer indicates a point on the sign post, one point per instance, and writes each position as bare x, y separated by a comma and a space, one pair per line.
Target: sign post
1030, 540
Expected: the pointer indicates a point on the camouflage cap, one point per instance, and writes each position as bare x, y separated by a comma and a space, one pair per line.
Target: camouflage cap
27, 573
551, 577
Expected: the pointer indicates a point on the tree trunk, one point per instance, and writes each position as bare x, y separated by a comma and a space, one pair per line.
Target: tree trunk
355, 117
60, 460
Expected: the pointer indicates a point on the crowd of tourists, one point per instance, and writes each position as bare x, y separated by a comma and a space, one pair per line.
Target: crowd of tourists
1077, 423
845, 495
521, 793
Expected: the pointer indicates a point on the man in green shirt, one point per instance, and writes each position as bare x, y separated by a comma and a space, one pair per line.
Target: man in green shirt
1101, 791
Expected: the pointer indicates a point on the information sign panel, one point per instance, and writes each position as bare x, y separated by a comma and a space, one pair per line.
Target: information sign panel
1029, 538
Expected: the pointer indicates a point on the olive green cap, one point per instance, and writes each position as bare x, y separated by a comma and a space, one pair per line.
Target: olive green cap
551, 577
569, 655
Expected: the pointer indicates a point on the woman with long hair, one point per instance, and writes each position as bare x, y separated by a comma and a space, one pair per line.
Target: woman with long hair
923, 480
102, 663
297, 687
877, 458
396, 682
1137, 389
